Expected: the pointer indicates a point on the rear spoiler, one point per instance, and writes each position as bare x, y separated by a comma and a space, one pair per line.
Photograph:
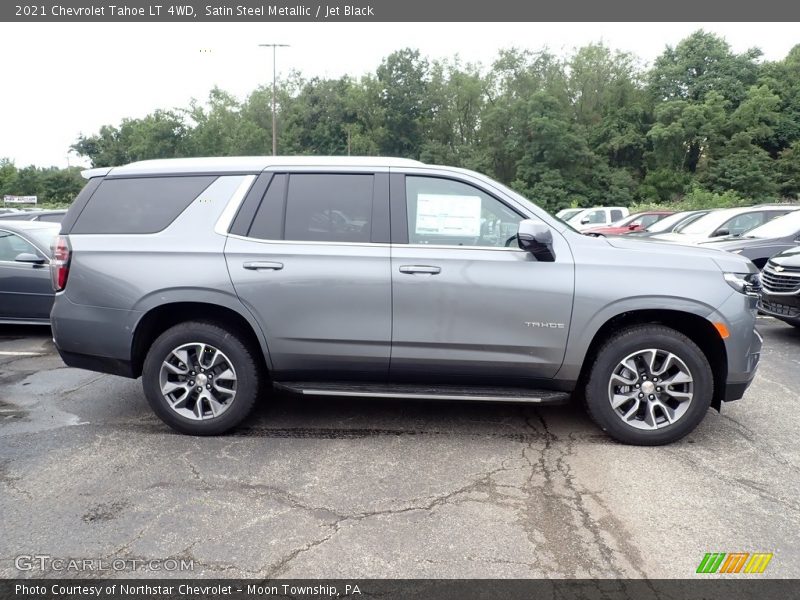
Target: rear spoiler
98, 172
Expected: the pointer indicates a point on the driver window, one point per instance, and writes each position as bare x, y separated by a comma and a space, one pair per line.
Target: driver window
12, 246
451, 213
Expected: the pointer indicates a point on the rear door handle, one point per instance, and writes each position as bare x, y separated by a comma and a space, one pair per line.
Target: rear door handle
263, 266
420, 269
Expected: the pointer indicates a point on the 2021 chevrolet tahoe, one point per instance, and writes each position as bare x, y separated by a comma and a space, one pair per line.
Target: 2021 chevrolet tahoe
216, 278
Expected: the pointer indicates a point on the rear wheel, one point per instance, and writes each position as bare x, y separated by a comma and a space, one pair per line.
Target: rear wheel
200, 379
649, 385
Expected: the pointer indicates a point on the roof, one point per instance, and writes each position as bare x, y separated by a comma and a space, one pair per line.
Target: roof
244, 164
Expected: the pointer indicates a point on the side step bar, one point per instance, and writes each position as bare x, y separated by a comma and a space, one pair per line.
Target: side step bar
425, 392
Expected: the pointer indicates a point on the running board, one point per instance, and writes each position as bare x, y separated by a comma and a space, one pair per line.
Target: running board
423, 392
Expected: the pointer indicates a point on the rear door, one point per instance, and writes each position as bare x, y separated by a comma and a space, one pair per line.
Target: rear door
312, 265
469, 305
25, 289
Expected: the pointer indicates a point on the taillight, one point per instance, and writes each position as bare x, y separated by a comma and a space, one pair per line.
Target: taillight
59, 267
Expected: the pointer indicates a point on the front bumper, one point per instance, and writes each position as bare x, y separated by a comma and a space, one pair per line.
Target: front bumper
742, 346
783, 307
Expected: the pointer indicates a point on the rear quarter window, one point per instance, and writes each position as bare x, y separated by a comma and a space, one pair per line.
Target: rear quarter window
139, 205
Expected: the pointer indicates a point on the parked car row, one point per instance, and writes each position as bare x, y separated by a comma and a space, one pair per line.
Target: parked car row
768, 235
756, 232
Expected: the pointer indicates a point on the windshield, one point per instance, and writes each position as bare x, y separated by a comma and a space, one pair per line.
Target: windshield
569, 213
667, 223
709, 222
625, 221
781, 227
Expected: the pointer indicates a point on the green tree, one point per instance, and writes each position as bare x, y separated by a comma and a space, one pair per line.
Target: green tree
789, 171
403, 96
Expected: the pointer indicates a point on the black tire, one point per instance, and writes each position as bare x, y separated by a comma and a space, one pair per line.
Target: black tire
241, 357
632, 340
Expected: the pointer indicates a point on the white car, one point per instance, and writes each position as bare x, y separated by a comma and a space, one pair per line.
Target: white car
726, 222
565, 214
598, 217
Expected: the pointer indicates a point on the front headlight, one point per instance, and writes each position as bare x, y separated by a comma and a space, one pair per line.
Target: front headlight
744, 283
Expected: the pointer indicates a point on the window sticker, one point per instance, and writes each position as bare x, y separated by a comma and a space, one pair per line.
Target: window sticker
445, 214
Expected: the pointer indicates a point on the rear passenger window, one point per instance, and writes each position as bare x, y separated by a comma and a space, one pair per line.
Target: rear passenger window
616, 215
139, 205
328, 208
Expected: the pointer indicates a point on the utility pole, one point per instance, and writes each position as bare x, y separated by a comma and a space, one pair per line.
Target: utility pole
274, 125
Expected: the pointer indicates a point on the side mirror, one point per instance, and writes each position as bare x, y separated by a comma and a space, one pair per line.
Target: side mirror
585, 220
633, 227
29, 257
720, 232
535, 237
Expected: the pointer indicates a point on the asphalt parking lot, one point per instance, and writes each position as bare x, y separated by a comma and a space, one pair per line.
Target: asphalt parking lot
353, 488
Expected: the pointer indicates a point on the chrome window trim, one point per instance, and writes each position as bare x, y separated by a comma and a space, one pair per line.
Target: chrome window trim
225, 220
374, 244
304, 243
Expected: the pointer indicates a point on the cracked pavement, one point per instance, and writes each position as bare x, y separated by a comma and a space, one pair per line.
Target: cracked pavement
352, 488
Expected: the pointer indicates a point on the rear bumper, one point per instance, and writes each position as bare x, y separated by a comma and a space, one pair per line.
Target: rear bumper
92, 337
101, 364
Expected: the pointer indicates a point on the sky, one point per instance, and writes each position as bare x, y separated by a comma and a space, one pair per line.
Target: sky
61, 80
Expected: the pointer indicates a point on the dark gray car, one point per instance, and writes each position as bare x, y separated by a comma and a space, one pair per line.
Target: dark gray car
763, 242
26, 292
219, 279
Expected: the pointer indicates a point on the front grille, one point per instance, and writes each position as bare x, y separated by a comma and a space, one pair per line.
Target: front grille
777, 308
780, 282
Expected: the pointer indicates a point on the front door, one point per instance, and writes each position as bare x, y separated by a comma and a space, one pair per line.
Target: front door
468, 304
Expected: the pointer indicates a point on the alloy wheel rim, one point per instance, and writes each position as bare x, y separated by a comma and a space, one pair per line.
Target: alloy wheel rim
650, 389
198, 381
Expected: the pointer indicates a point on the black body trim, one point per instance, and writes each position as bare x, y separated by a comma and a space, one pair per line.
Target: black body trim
101, 364
249, 206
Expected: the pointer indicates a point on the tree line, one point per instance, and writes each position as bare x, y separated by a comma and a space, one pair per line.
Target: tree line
701, 125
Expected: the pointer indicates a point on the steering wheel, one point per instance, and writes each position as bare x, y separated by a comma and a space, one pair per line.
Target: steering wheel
509, 240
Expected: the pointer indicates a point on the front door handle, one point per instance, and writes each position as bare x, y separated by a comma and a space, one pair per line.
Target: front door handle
420, 269
263, 266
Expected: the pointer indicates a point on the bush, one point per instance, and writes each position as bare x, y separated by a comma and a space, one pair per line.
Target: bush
698, 198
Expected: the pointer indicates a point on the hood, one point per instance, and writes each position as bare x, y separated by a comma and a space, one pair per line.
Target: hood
732, 263
731, 244
788, 258
682, 238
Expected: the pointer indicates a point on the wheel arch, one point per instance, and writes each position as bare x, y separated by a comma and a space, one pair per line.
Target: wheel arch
161, 317
698, 329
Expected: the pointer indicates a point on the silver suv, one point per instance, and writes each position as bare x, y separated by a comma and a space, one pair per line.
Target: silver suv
215, 279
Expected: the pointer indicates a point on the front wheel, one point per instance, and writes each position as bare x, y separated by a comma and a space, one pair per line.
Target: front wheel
649, 385
200, 379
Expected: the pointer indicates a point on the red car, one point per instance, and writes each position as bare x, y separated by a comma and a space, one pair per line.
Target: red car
635, 222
